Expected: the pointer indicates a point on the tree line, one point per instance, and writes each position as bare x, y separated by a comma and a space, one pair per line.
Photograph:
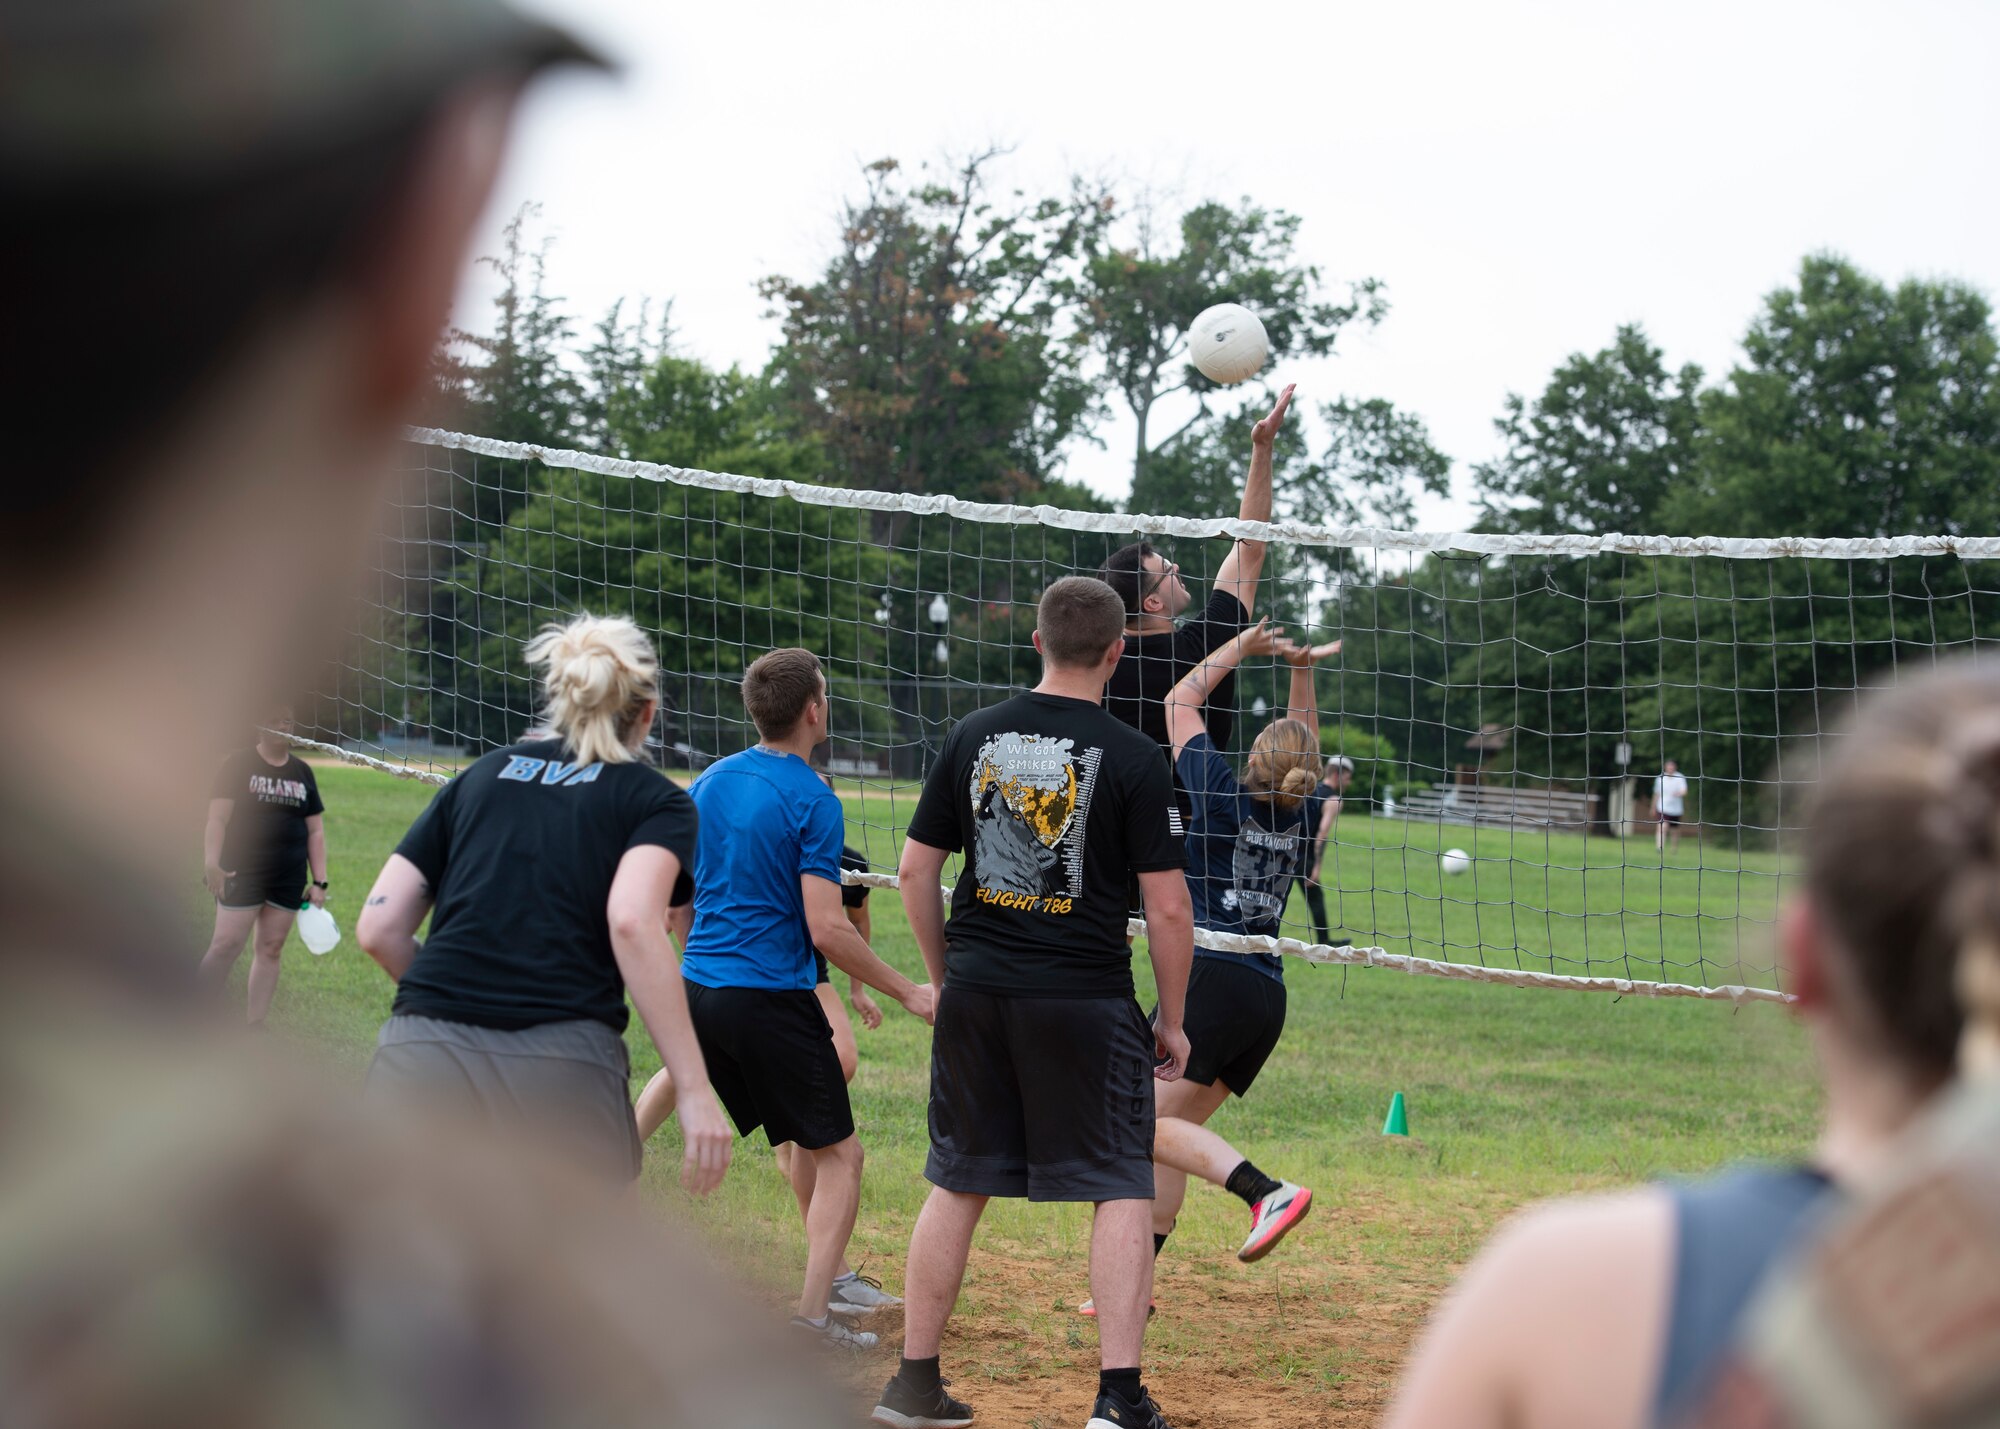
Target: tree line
962, 338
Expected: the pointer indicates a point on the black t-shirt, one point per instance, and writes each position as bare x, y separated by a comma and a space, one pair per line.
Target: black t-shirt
1153, 664
520, 851
267, 827
1060, 804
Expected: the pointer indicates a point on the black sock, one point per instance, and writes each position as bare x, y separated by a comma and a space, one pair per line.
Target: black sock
1122, 1382
1249, 1183
920, 1375
1160, 1242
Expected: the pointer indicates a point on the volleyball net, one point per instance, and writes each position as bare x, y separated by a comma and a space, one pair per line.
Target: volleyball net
1511, 698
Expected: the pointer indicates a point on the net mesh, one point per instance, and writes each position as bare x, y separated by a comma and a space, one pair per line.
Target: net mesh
1510, 698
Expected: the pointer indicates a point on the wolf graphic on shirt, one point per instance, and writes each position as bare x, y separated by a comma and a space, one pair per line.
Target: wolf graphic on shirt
1030, 803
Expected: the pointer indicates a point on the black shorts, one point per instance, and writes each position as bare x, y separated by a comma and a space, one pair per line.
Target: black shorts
1670, 818
771, 1061
253, 888
1235, 1016
1045, 1097
853, 895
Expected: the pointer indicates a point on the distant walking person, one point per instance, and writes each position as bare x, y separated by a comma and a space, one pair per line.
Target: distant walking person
1670, 792
263, 856
1158, 651
550, 866
1042, 1065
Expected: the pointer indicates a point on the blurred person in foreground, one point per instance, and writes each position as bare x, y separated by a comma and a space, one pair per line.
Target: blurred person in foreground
248, 220
1890, 1315
1617, 1310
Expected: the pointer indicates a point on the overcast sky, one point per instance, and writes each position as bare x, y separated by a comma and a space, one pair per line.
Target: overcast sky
1522, 177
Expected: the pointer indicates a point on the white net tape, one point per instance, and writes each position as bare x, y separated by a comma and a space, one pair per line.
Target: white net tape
1513, 696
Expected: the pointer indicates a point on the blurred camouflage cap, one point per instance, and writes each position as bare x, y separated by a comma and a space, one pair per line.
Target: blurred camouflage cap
103, 87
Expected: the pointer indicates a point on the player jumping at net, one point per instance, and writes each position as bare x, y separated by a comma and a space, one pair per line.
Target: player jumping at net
1042, 1066
767, 900
1159, 651
263, 855
1247, 843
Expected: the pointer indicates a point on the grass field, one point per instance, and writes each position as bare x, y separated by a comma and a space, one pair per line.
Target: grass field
1513, 1095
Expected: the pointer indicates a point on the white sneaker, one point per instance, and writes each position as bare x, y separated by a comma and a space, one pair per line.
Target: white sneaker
859, 1295
1273, 1217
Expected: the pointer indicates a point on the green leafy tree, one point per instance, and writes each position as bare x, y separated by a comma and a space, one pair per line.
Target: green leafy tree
935, 353
1859, 410
1600, 450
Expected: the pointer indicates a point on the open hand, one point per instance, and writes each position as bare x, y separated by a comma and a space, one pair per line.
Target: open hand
1305, 655
1263, 638
217, 878
1266, 431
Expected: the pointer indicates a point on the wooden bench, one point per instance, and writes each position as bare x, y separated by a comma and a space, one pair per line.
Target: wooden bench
1501, 806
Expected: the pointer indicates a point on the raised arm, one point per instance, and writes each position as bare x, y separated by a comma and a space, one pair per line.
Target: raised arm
1185, 700
637, 913
1303, 700
847, 950
1244, 565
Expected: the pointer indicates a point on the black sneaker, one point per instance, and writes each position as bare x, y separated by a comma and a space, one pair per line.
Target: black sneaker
905, 1408
1111, 1412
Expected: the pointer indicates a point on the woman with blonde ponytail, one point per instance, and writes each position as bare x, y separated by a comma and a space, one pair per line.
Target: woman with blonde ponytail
1247, 842
547, 870
1619, 1311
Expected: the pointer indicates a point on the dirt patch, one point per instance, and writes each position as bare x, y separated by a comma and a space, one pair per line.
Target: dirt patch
1314, 1337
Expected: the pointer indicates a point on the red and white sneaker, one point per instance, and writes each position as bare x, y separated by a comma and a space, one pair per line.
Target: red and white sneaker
1272, 1219
1089, 1307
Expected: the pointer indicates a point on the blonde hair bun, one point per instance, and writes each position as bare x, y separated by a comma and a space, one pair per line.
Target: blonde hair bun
1284, 765
598, 675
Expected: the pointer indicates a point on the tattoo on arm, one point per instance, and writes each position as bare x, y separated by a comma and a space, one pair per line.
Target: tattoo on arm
377, 902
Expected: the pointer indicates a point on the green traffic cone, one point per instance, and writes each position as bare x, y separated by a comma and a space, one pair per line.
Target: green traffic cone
1397, 1123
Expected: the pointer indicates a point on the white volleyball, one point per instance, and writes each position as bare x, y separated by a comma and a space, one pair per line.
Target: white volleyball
1227, 343
1454, 860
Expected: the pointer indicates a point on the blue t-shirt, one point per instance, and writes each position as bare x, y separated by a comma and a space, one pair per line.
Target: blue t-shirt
766, 818
1242, 854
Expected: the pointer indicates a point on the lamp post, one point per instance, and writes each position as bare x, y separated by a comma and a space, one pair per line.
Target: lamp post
939, 611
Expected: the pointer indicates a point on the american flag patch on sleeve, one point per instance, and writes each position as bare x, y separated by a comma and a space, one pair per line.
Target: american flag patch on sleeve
1174, 823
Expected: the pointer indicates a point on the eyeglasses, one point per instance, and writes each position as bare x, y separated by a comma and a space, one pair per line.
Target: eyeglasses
1159, 580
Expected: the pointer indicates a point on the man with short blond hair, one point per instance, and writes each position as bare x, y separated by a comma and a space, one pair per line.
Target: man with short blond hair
1042, 1064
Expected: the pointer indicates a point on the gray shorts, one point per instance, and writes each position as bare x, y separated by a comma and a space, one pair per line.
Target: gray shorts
565, 1084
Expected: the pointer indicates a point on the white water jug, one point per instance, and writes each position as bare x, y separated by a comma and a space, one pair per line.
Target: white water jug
318, 930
